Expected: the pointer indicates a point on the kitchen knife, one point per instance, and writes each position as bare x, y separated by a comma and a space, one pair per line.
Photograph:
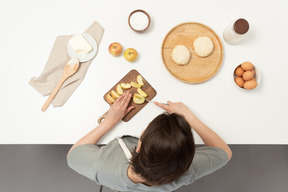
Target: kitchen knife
152, 102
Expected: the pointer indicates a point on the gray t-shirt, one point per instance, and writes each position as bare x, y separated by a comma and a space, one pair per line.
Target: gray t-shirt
108, 165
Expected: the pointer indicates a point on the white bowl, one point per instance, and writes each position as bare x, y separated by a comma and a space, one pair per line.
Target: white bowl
146, 24
257, 77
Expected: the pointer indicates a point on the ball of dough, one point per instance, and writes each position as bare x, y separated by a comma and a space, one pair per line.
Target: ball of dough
181, 55
203, 46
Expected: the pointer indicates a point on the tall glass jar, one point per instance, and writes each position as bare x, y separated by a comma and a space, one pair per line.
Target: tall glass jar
236, 31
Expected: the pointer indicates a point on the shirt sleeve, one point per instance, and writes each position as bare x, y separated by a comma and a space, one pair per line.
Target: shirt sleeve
82, 159
208, 160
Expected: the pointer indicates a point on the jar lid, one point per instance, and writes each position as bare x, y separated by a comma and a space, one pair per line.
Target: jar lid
241, 26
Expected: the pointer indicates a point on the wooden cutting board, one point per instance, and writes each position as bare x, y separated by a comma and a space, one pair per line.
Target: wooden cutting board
129, 77
199, 69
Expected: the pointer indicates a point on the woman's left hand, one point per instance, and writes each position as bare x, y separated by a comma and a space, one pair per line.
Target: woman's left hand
119, 108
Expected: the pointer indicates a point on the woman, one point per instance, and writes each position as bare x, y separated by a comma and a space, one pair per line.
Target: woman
163, 159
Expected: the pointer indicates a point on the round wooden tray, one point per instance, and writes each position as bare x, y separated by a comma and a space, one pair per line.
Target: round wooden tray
199, 69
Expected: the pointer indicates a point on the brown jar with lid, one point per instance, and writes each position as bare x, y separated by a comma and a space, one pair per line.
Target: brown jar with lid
236, 31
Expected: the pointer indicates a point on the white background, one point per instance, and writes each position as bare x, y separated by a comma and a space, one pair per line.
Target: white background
28, 31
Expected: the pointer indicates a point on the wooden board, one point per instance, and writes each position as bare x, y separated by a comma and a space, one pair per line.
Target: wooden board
131, 76
198, 69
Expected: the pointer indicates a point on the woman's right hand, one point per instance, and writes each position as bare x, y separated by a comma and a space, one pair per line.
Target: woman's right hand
209, 137
177, 107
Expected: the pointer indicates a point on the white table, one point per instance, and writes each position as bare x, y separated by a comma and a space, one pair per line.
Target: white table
28, 31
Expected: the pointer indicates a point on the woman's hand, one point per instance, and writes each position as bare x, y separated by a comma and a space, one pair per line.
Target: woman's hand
116, 112
209, 137
177, 107
119, 108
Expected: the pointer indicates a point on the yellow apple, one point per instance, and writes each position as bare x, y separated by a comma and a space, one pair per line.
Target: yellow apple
110, 99
126, 85
138, 99
119, 89
136, 85
114, 94
115, 49
140, 80
141, 92
130, 54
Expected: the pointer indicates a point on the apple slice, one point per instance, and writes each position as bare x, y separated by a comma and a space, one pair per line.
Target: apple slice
136, 85
141, 92
119, 89
140, 80
110, 99
138, 99
114, 94
126, 85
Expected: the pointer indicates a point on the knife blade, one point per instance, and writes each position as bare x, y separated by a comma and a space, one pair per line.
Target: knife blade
152, 102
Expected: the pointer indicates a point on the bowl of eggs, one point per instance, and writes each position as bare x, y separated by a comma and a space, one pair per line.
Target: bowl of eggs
246, 76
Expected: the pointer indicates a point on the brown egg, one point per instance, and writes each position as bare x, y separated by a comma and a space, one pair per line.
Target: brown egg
248, 75
239, 81
239, 71
247, 66
251, 84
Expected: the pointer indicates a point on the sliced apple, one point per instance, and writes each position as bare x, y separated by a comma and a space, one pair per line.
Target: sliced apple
119, 89
126, 85
136, 85
141, 92
114, 94
138, 99
140, 80
110, 99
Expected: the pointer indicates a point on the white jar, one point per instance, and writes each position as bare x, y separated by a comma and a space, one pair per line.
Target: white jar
236, 31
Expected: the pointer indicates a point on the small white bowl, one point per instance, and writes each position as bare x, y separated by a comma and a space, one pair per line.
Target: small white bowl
146, 24
257, 77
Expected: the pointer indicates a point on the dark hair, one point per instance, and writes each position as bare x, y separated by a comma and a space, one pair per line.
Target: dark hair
167, 149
